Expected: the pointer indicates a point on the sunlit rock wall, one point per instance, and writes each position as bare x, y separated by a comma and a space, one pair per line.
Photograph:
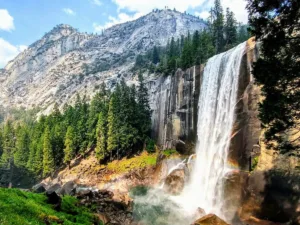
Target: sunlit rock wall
174, 101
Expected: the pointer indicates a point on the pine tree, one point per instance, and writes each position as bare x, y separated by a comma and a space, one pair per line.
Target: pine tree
98, 104
113, 123
230, 30
218, 26
195, 48
22, 146
242, 33
143, 108
187, 54
8, 144
276, 25
48, 158
101, 134
206, 47
69, 150
32, 152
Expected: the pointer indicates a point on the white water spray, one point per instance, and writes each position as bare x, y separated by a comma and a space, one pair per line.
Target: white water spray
216, 116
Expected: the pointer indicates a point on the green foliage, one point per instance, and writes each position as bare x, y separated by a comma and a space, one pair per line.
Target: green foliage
230, 30
22, 146
143, 110
169, 152
8, 144
101, 134
217, 26
137, 162
48, 158
69, 150
115, 125
276, 25
222, 33
254, 162
17, 207
150, 146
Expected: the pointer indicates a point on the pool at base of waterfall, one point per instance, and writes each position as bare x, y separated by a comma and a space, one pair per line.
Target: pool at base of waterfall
153, 206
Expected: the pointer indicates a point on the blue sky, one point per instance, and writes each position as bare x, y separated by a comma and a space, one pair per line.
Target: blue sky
24, 21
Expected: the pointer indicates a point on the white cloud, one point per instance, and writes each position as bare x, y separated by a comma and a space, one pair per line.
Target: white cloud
204, 15
122, 18
96, 2
69, 11
9, 51
6, 21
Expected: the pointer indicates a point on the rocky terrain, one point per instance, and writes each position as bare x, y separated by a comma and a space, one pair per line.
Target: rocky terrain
65, 61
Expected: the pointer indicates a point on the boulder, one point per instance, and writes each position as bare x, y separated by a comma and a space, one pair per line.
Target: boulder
56, 188
53, 199
210, 219
39, 188
174, 183
68, 188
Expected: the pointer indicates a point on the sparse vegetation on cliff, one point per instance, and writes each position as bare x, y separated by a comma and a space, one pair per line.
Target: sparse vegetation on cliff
137, 162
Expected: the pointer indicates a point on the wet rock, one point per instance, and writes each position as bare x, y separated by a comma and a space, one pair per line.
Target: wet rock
234, 193
39, 188
174, 182
210, 219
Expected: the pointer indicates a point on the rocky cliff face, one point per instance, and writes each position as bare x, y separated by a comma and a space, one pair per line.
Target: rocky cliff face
66, 61
174, 100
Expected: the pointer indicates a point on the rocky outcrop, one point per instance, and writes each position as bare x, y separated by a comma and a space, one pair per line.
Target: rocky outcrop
247, 127
210, 219
174, 101
106, 209
273, 190
174, 183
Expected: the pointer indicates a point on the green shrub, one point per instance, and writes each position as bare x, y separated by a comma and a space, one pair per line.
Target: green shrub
169, 152
150, 146
254, 163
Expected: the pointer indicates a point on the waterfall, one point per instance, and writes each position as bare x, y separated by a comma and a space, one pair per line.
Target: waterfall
216, 116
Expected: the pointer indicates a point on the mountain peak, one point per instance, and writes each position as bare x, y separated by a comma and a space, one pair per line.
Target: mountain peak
63, 29
64, 60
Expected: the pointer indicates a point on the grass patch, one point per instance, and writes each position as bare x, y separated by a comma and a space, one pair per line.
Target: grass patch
169, 152
254, 163
26, 208
125, 165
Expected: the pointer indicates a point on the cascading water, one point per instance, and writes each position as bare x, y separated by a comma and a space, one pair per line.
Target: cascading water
216, 116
